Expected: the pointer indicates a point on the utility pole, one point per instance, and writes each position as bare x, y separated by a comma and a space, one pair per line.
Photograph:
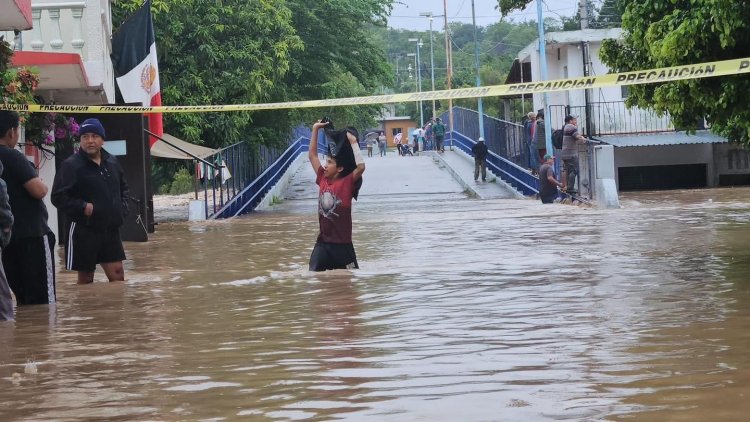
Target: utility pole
449, 70
543, 69
480, 109
584, 11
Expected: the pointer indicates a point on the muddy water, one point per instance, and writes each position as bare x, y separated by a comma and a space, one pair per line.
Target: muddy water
463, 310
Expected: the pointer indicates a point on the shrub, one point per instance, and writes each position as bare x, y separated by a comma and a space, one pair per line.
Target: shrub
182, 182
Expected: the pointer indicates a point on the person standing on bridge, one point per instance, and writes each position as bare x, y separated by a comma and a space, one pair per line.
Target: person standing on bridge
539, 136
547, 182
530, 134
439, 131
480, 159
382, 143
569, 153
338, 181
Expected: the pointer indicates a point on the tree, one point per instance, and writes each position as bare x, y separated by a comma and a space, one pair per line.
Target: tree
340, 58
219, 52
662, 33
609, 14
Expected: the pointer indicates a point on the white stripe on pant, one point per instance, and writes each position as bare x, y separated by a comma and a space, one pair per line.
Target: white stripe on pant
50, 269
69, 263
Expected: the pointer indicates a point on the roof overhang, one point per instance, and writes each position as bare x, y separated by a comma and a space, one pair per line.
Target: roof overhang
16, 15
62, 77
165, 150
395, 118
554, 39
662, 139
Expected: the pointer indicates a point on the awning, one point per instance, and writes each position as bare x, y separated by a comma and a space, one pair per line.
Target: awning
661, 139
62, 77
16, 15
163, 150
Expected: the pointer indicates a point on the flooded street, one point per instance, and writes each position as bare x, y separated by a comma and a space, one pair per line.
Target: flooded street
462, 310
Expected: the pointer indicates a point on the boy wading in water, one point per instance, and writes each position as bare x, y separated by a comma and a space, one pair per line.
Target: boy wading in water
339, 181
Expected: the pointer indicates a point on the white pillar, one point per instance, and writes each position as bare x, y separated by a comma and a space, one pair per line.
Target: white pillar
606, 188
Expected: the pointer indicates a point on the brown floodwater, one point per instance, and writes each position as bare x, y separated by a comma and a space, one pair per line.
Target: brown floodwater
463, 310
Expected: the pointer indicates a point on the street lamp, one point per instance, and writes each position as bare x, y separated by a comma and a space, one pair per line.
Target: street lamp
432, 58
419, 78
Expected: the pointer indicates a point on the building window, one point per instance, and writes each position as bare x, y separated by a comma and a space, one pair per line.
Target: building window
625, 91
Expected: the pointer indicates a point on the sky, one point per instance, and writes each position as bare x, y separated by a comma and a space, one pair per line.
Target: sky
405, 13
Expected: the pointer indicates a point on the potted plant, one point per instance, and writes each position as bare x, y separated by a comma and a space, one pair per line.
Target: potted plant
51, 129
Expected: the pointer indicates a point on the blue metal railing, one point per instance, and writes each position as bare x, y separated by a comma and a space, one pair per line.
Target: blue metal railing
253, 192
508, 152
243, 200
504, 138
517, 177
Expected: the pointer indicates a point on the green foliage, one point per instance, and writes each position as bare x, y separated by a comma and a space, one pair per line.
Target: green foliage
607, 15
219, 52
182, 182
16, 85
661, 33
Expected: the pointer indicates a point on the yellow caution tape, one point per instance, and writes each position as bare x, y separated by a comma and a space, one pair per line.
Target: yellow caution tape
667, 74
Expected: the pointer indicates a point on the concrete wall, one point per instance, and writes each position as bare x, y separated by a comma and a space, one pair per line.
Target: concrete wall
283, 183
731, 159
406, 126
74, 26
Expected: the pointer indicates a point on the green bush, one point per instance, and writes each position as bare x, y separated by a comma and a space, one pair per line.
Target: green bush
182, 182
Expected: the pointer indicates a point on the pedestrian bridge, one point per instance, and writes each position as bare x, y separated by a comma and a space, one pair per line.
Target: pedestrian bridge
291, 177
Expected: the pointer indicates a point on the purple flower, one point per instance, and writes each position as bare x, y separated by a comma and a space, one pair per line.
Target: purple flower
74, 127
61, 133
49, 140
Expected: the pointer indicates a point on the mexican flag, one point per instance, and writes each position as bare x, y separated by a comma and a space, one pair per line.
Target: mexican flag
134, 60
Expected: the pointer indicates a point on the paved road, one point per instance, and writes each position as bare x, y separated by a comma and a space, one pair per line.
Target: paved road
393, 175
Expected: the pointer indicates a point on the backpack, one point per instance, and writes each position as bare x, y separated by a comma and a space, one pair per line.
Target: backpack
557, 138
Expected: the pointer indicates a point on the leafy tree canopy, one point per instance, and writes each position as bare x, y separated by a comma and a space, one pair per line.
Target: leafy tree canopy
661, 33
233, 51
219, 52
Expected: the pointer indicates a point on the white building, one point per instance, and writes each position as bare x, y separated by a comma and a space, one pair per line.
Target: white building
69, 43
649, 153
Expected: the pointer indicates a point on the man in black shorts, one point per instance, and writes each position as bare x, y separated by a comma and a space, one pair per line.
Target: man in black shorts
90, 189
28, 258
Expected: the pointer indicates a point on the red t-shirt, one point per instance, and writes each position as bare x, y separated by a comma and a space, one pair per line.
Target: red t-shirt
335, 208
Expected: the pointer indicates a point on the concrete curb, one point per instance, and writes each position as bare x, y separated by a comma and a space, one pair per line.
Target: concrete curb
469, 187
279, 188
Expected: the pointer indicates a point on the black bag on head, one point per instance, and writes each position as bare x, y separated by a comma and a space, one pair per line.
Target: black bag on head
340, 148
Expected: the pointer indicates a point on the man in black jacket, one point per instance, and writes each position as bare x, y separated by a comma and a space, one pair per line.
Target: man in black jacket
480, 159
90, 189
